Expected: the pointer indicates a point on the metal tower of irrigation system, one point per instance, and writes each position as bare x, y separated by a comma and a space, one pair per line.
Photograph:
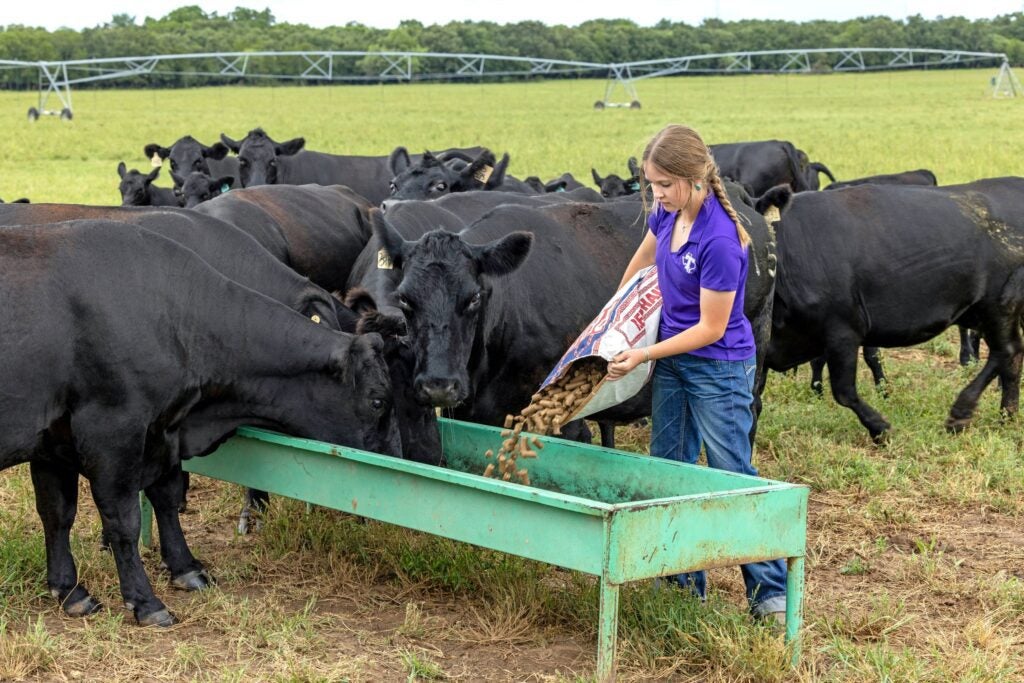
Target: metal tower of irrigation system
56, 78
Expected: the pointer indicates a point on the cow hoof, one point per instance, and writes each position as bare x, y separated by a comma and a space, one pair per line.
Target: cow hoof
195, 580
818, 388
956, 425
83, 608
249, 523
881, 438
161, 618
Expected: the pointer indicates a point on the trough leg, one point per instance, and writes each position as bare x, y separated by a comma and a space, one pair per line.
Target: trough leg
607, 632
794, 603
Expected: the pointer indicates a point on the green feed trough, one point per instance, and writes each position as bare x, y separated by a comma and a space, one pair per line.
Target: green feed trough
619, 516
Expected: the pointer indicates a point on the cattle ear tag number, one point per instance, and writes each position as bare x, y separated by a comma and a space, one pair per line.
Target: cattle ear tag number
384, 261
483, 174
315, 318
156, 161
772, 215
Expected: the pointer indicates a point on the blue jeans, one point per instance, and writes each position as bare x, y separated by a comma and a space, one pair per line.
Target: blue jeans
702, 400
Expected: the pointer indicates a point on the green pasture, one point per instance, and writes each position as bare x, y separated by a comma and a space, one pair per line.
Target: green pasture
915, 558
857, 124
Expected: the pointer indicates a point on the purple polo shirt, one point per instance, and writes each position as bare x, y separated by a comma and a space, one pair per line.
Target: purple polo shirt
712, 258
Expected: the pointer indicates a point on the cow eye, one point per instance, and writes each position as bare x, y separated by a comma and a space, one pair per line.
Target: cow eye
404, 304
273, 162
197, 163
377, 403
174, 165
474, 302
243, 162
393, 188
441, 187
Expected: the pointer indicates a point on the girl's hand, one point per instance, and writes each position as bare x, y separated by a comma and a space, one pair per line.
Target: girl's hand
622, 364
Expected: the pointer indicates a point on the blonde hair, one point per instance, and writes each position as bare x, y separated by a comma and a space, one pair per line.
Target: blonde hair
680, 152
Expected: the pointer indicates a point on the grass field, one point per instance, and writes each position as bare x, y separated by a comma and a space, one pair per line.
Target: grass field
916, 550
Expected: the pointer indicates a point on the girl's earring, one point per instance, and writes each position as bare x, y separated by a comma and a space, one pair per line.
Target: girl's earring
696, 186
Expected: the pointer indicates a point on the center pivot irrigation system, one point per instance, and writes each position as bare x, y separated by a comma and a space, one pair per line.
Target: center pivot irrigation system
56, 78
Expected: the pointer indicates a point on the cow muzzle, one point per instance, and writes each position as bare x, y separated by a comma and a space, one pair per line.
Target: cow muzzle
440, 392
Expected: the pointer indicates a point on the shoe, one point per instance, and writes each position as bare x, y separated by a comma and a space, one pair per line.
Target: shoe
776, 621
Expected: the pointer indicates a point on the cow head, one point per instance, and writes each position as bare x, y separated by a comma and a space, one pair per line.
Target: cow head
417, 422
362, 369
134, 186
187, 154
259, 156
443, 292
197, 187
432, 177
614, 186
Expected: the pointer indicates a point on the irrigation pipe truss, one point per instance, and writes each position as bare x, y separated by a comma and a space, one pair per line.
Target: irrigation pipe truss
57, 77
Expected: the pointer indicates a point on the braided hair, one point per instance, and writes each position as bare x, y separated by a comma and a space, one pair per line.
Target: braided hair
680, 152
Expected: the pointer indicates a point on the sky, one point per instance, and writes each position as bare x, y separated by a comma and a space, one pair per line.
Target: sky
78, 14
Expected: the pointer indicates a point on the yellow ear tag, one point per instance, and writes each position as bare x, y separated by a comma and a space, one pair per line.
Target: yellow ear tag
483, 174
384, 261
772, 215
315, 318
156, 161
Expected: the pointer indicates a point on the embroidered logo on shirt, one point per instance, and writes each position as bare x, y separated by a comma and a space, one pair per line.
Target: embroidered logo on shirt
689, 263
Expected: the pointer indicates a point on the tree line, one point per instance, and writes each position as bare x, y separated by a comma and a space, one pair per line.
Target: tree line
191, 30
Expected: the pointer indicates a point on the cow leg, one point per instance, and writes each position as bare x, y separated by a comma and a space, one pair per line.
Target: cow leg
56, 489
165, 494
607, 434
842, 370
1009, 377
183, 504
117, 499
962, 411
817, 369
970, 342
873, 357
256, 503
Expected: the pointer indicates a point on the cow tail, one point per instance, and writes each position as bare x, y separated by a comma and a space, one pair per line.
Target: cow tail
795, 168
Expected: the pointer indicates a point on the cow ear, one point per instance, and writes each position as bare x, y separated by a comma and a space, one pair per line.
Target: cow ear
478, 168
152, 175
233, 145
536, 184
503, 256
122, 170
293, 146
634, 168
217, 151
597, 179
497, 176
399, 160
153, 148
360, 301
556, 185
778, 197
391, 241
387, 326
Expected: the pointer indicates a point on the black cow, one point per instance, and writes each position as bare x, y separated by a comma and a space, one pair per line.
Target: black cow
133, 374
198, 187
613, 186
262, 161
137, 189
23, 200
433, 176
764, 164
888, 265
188, 155
921, 176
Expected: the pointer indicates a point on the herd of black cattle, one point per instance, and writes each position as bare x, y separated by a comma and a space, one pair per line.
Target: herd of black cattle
139, 336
